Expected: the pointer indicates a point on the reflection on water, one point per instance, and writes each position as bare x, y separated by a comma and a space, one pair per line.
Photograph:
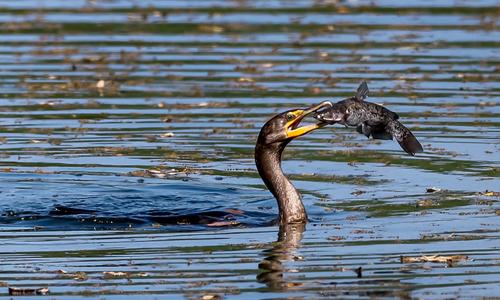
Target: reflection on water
285, 249
274, 273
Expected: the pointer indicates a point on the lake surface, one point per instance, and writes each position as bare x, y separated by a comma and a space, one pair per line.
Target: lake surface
118, 116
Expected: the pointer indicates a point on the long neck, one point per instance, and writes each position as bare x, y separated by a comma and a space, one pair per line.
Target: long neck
291, 209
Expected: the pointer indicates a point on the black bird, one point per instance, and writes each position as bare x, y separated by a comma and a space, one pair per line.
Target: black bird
370, 119
273, 138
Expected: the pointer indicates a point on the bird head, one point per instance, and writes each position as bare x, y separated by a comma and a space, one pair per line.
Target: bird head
284, 127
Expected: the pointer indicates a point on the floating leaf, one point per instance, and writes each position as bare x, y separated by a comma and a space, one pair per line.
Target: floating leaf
434, 258
13, 291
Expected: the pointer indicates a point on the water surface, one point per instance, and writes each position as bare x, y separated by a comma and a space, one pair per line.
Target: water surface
117, 115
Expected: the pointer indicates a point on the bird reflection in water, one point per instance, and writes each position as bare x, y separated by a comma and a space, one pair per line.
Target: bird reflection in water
273, 272
272, 268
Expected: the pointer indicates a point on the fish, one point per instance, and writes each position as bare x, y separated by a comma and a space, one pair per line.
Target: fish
370, 119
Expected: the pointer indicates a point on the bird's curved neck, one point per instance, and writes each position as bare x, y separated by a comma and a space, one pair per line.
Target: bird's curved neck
291, 208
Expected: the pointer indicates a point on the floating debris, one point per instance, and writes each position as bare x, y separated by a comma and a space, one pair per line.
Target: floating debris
153, 173
336, 238
167, 135
426, 203
13, 291
223, 223
100, 84
358, 192
451, 237
79, 275
359, 272
433, 190
210, 297
449, 260
490, 193
111, 274
246, 79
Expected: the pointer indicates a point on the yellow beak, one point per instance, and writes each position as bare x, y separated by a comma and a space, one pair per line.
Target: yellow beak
301, 114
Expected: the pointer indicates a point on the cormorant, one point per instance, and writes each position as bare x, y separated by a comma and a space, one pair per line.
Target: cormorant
273, 138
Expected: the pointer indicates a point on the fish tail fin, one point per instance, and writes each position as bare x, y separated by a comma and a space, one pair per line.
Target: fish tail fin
405, 138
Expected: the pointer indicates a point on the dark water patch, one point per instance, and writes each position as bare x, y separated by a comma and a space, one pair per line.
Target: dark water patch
125, 203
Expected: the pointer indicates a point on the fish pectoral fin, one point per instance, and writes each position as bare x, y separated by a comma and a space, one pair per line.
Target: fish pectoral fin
364, 129
382, 135
359, 128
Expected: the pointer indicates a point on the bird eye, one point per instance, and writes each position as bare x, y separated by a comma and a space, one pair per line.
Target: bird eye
290, 116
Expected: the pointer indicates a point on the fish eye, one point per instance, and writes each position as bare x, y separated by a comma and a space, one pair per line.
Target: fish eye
290, 116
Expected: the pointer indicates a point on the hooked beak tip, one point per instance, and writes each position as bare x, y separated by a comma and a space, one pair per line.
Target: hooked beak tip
296, 132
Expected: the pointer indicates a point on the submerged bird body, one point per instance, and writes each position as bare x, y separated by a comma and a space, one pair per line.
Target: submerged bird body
370, 119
